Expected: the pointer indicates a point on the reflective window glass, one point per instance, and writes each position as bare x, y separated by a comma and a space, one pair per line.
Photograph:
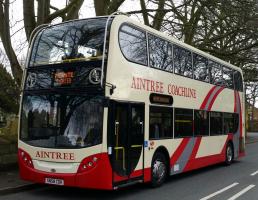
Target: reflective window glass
61, 121
71, 41
201, 70
216, 123
201, 123
182, 61
215, 73
228, 77
230, 123
183, 122
161, 122
160, 53
238, 82
133, 44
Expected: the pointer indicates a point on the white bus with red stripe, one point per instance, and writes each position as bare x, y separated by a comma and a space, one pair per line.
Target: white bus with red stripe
108, 102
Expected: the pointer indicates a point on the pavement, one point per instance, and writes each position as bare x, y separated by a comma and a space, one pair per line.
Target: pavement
251, 137
10, 181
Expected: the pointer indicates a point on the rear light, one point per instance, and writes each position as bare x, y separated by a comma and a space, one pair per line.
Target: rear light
88, 163
25, 158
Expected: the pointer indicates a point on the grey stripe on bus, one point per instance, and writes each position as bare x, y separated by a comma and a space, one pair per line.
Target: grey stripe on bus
184, 157
211, 97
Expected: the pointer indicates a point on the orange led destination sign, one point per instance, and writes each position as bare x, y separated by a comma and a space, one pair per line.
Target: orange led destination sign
64, 78
161, 99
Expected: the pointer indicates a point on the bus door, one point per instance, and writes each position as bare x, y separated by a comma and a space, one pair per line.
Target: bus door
125, 145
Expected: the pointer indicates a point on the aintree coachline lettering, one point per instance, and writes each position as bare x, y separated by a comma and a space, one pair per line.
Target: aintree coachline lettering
181, 91
158, 86
55, 155
148, 85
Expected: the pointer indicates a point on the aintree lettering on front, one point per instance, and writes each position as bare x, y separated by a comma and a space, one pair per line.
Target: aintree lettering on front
55, 155
158, 86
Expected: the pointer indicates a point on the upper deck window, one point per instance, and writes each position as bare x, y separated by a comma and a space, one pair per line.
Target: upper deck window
228, 77
71, 41
215, 73
183, 62
133, 44
201, 70
238, 82
160, 53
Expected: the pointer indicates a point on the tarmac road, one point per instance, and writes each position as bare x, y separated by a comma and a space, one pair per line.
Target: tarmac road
238, 181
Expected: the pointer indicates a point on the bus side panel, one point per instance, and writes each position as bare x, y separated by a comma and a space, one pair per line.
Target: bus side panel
190, 153
196, 162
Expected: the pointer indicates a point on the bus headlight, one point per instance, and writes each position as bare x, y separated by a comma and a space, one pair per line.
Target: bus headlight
25, 158
88, 163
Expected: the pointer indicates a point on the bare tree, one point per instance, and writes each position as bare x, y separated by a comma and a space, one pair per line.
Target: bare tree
6, 40
106, 7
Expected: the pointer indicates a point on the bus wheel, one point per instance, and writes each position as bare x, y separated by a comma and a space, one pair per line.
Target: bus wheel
158, 169
229, 154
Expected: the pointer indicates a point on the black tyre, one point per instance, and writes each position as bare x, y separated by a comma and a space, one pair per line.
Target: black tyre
229, 154
158, 169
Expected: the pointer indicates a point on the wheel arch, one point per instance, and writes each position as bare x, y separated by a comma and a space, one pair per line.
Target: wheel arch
164, 151
230, 141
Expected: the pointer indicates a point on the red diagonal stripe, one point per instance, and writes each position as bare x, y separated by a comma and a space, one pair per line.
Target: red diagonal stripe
179, 151
214, 98
207, 97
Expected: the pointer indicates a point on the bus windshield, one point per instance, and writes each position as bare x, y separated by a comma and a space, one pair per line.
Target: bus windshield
61, 121
71, 41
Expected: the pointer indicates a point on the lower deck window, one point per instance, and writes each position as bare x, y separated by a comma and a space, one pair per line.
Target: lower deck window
201, 123
161, 122
183, 122
189, 123
230, 122
216, 123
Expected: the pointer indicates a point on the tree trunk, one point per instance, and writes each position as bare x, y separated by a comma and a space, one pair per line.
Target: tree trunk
106, 7
158, 18
144, 13
74, 10
29, 17
6, 40
101, 7
43, 11
113, 6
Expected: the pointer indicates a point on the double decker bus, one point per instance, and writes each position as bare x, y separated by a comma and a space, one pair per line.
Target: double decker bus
108, 102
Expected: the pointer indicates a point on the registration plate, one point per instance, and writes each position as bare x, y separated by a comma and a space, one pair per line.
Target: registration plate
54, 181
